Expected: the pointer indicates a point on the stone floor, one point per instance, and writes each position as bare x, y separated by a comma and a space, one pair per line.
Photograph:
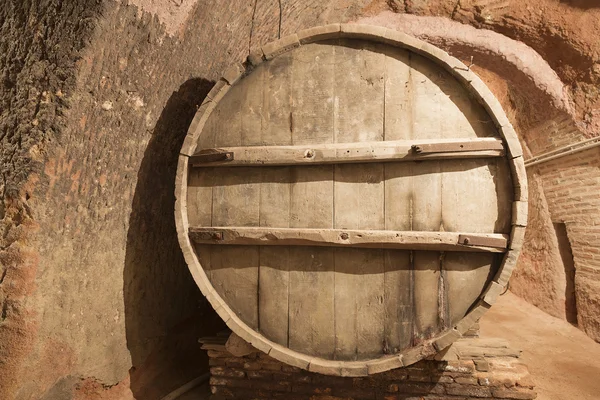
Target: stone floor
563, 361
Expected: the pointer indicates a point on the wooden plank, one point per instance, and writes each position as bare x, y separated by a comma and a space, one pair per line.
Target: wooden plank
359, 201
470, 201
481, 241
427, 292
236, 196
428, 279
266, 120
273, 294
234, 275
236, 193
397, 300
428, 122
359, 306
255, 105
460, 146
311, 297
273, 290
199, 196
448, 106
473, 196
398, 276
466, 276
199, 208
398, 96
277, 101
411, 240
311, 283
225, 121
339, 153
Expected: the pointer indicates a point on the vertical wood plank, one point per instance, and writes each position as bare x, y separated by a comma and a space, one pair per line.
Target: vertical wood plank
273, 295
226, 119
470, 197
273, 290
426, 294
311, 280
428, 119
253, 91
236, 201
398, 300
277, 100
199, 205
466, 276
312, 94
266, 121
398, 274
311, 301
398, 118
199, 196
358, 203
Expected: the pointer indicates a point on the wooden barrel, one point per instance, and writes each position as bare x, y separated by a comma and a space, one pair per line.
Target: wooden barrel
350, 200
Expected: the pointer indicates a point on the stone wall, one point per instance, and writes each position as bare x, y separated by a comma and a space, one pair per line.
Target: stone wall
463, 372
95, 98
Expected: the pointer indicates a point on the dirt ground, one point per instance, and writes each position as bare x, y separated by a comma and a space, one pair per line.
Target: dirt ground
563, 361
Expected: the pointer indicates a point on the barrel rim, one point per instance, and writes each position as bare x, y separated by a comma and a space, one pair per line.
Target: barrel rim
472, 83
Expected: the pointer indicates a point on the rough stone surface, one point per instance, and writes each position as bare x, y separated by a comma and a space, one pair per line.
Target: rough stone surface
257, 375
588, 303
95, 98
540, 277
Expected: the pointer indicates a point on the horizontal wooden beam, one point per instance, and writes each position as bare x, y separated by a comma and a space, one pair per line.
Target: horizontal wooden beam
336, 153
438, 241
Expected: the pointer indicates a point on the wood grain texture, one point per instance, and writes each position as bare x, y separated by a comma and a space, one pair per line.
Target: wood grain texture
358, 204
398, 265
266, 122
311, 315
349, 238
314, 106
359, 152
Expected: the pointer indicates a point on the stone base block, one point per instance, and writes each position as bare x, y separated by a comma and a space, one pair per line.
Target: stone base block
472, 368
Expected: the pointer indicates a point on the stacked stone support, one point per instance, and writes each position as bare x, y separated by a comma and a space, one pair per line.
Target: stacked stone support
472, 368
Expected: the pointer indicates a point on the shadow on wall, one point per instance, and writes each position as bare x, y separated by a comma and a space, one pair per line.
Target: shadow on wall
165, 312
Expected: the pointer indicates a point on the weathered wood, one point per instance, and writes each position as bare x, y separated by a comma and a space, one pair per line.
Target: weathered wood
410, 240
234, 270
359, 204
428, 288
264, 121
481, 241
274, 276
277, 265
465, 275
398, 264
426, 205
340, 153
397, 301
311, 296
460, 146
